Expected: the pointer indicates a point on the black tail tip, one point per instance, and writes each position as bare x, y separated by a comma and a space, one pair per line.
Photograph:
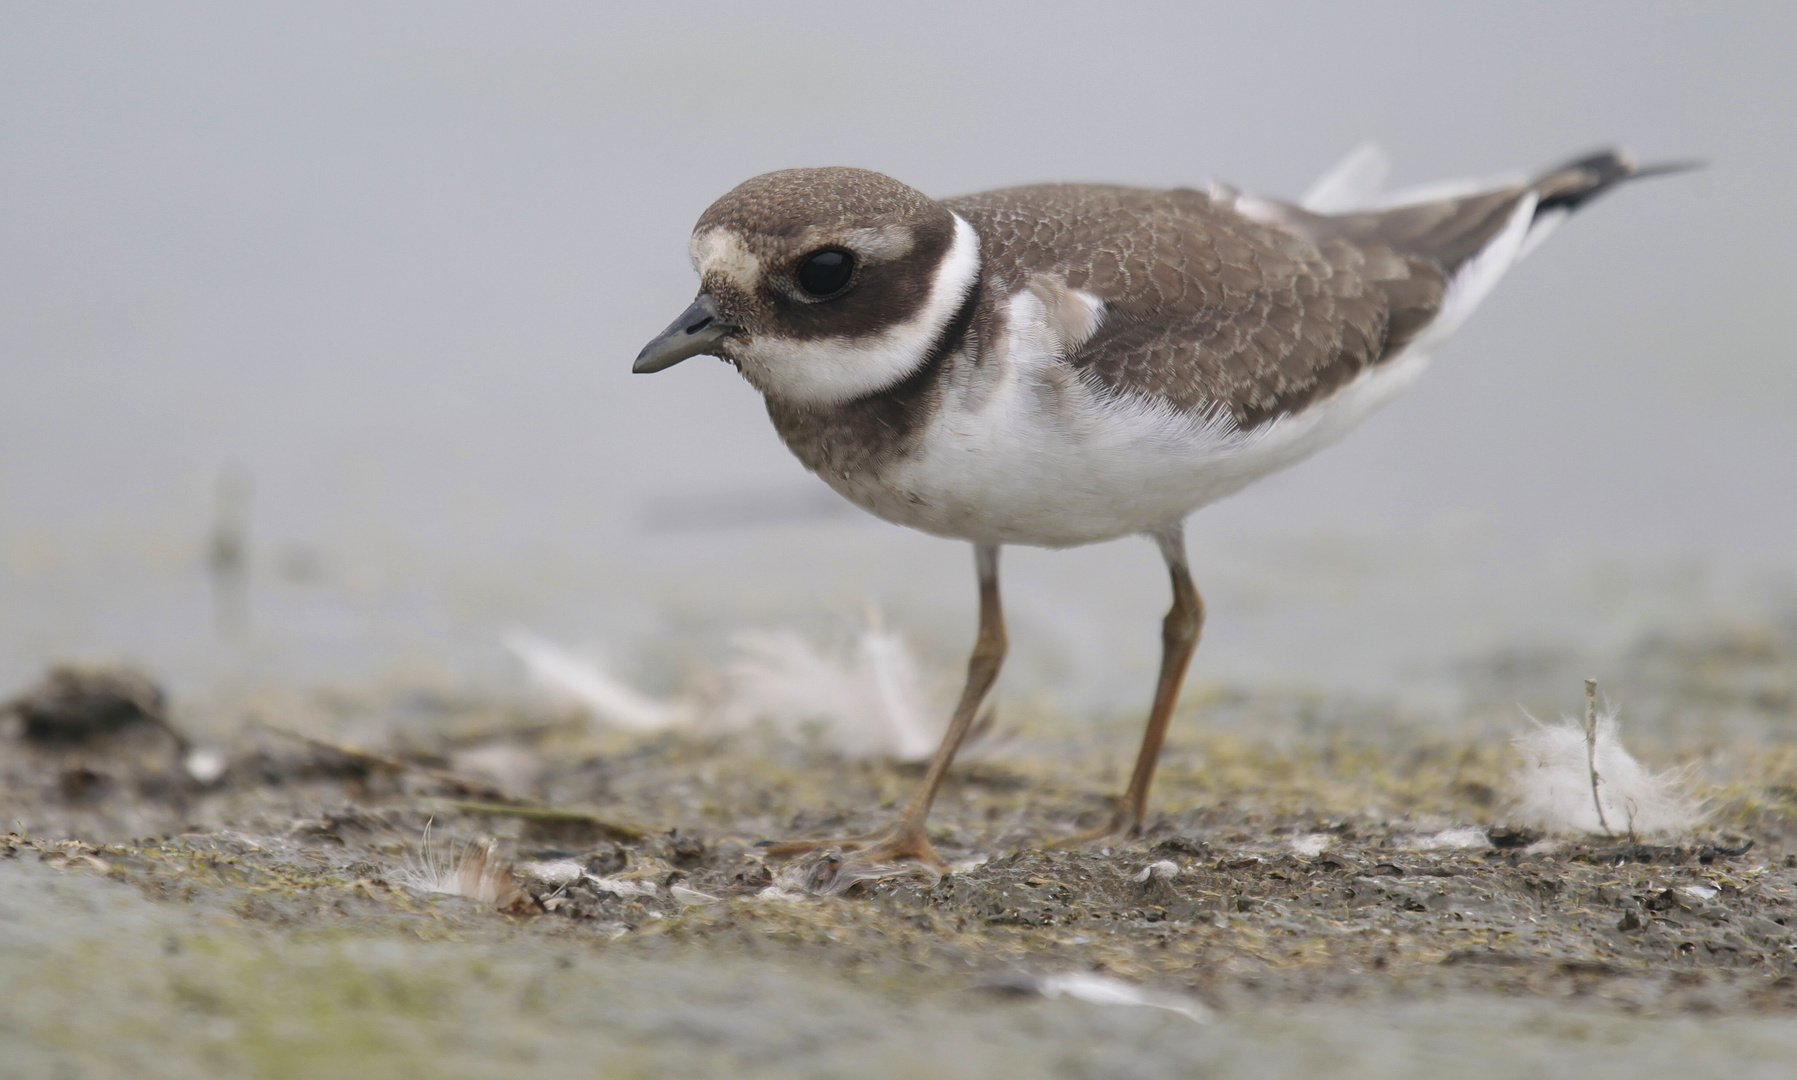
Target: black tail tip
1576, 182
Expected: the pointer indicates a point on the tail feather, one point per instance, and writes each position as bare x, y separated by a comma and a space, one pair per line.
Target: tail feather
1454, 241
1447, 223
1575, 183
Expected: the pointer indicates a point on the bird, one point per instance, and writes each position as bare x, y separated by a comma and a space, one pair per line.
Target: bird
1068, 363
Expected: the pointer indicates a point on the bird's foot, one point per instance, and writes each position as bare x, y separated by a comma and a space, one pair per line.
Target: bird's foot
861, 858
897, 841
1121, 825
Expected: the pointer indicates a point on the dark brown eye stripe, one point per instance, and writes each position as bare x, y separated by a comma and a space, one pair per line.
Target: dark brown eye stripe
776, 213
880, 296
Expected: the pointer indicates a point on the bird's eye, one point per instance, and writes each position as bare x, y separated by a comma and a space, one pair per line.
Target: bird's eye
826, 272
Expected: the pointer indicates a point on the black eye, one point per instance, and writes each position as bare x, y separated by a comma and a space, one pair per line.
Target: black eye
826, 272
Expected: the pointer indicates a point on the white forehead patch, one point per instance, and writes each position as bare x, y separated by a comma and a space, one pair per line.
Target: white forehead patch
830, 371
720, 251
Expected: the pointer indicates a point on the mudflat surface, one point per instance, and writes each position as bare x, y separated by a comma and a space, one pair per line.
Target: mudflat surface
1321, 890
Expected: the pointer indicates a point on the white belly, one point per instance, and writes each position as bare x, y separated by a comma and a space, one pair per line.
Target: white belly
1025, 451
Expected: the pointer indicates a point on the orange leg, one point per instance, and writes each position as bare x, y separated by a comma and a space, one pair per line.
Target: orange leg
906, 838
1179, 639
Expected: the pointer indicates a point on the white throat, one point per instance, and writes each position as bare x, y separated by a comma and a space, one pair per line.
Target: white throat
830, 371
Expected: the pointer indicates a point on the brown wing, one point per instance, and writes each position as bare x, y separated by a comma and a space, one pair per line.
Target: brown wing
1205, 309
1222, 315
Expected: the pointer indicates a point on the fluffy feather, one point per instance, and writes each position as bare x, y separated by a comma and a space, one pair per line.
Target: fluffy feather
1553, 785
476, 872
582, 682
869, 702
1097, 990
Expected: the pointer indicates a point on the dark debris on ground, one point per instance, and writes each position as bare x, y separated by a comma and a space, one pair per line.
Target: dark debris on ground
1268, 874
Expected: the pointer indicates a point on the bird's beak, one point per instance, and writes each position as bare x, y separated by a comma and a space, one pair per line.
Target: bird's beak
698, 330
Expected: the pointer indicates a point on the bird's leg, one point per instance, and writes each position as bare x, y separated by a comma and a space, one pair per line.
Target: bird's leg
906, 838
1179, 639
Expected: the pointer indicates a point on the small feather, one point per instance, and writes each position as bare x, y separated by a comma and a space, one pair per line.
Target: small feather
1099, 990
1165, 870
1354, 182
1311, 844
1553, 785
868, 702
1462, 838
583, 683
476, 872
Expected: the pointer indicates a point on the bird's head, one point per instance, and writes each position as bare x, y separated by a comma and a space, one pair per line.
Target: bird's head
822, 285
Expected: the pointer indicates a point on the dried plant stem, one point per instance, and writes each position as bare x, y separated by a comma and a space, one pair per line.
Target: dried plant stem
1597, 799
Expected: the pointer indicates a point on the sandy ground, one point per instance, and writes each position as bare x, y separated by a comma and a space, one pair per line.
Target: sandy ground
1324, 889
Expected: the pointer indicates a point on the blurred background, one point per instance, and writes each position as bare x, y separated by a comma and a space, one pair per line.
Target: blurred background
316, 324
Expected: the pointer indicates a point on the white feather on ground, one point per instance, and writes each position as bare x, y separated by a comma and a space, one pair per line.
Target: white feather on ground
1098, 990
1553, 785
1459, 838
581, 682
1164, 870
869, 702
1310, 845
476, 873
